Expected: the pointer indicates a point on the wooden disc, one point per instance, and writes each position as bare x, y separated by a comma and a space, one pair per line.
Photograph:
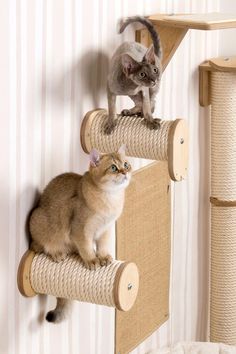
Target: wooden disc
224, 63
86, 128
126, 286
23, 274
178, 141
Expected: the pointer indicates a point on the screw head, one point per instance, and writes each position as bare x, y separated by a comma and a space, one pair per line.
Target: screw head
130, 286
181, 140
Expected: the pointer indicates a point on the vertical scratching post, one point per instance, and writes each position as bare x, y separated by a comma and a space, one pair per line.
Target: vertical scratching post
221, 75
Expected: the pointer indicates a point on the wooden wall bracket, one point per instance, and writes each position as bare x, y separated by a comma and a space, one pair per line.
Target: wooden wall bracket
224, 64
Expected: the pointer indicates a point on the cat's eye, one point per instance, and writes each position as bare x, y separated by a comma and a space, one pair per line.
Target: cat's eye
126, 165
155, 70
142, 74
114, 168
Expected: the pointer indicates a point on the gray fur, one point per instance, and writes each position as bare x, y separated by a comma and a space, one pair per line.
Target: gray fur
135, 71
155, 37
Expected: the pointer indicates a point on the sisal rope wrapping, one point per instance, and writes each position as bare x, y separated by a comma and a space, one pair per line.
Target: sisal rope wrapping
70, 279
223, 218
223, 135
141, 141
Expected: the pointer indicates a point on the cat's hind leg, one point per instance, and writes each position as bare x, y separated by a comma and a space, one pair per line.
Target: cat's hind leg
45, 237
137, 109
34, 246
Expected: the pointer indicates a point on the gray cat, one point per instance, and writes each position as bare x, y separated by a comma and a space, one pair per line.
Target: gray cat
135, 71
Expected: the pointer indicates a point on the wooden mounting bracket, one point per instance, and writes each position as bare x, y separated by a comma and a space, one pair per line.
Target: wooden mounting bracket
226, 64
171, 37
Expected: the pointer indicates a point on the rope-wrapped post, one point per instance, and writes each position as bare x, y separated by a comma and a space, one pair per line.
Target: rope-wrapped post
220, 76
169, 143
115, 285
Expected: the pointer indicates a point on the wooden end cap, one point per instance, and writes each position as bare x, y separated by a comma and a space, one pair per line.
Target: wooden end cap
178, 145
85, 129
23, 275
223, 64
126, 286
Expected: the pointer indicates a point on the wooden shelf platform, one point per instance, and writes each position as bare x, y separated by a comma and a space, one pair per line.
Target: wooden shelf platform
209, 21
172, 29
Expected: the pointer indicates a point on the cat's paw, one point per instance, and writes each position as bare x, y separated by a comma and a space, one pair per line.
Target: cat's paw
131, 112
109, 127
105, 260
153, 124
125, 112
92, 264
34, 246
58, 257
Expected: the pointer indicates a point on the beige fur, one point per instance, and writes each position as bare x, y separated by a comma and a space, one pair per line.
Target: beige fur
75, 213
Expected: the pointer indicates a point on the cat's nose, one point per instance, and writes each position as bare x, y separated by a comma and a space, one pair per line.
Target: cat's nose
123, 172
153, 82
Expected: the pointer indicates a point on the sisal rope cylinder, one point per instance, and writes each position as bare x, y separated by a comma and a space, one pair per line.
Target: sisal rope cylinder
169, 143
223, 208
114, 285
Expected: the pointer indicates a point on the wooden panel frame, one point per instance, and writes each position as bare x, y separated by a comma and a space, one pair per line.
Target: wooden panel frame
143, 236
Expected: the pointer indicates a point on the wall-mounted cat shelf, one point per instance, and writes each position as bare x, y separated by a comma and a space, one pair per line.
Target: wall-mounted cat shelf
172, 29
115, 285
169, 143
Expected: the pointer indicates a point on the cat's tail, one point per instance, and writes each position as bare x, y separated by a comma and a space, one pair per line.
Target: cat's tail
148, 24
61, 311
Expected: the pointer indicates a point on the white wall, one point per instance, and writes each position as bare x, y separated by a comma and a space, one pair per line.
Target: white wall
53, 66
227, 42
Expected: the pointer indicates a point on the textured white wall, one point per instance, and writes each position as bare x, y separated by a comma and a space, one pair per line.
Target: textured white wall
53, 64
227, 37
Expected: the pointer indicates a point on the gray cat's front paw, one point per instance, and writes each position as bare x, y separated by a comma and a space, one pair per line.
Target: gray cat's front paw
153, 124
105, 260
92, 264
109, 127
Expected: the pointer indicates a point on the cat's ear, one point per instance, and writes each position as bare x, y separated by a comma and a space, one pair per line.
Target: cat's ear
150, 55
94, 157
121, 150
129, 64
